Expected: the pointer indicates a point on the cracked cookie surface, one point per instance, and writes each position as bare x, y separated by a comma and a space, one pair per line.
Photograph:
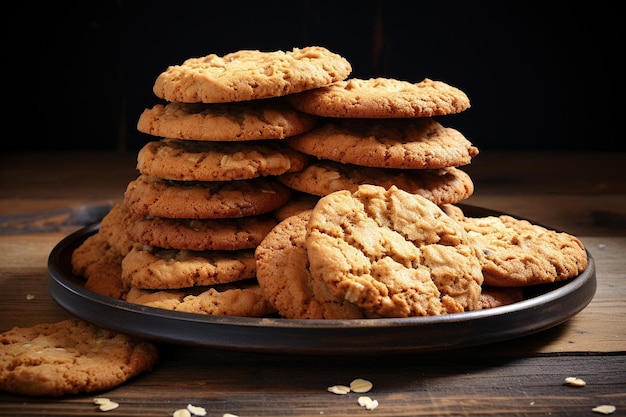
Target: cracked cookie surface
393, 253
250, 74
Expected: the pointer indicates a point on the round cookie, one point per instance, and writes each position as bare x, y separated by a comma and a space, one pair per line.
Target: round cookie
242, 298
382, 98
241, 121
70, 357
100, 265
390, 143
322, 177
157, 268
112, 227
516, 253
185, 160
151, 196
250, 74
200, 234
284, 276
393, 253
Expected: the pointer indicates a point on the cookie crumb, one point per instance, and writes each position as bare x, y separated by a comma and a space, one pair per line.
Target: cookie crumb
182, 412
604, 409
368, 403
105, 404
30, 296
339, 389
575, 382
361, 385
196, 411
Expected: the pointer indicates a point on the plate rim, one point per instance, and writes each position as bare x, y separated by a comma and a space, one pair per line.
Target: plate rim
298, 335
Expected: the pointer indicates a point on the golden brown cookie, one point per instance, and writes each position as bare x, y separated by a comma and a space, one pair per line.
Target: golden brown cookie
455, 212
250, 74
322, 177
393, 253
491, 297
227, 122
200, 234
100, 265
70, 357
298, 203
390, 143
112, 227
151, 196
515, 252
284, 276
186, 160
382, 98
157, 268
242, 298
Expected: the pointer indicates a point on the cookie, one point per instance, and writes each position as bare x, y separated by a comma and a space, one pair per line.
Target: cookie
151, 196
286, 281
100, 265
491, 297
240, 121
454, 212
298, 203
393, 253
515, 252
441, 186
391, 143
242, 298
250, 74
157, 268
382, 98
112, 227
200, 234
185, 160
70, 357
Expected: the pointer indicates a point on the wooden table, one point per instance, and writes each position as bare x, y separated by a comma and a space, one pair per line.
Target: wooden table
582, 194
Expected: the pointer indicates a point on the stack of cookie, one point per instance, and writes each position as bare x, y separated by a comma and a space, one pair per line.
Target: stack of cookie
276, 184
207, 186
382, 131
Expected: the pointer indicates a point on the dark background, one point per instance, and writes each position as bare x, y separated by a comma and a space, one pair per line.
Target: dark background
539, 75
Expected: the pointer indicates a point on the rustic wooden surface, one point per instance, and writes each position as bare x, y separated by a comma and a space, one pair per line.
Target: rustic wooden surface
42, 199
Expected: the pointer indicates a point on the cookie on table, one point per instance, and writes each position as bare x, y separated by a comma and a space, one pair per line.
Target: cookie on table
151, 196
322, 177
250, 74
70, 357
517, 253
382, 98
185, 160
393, 143
240, 121
241, 298
100, 265
200, 234
157, 268
393, 253
286, 281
